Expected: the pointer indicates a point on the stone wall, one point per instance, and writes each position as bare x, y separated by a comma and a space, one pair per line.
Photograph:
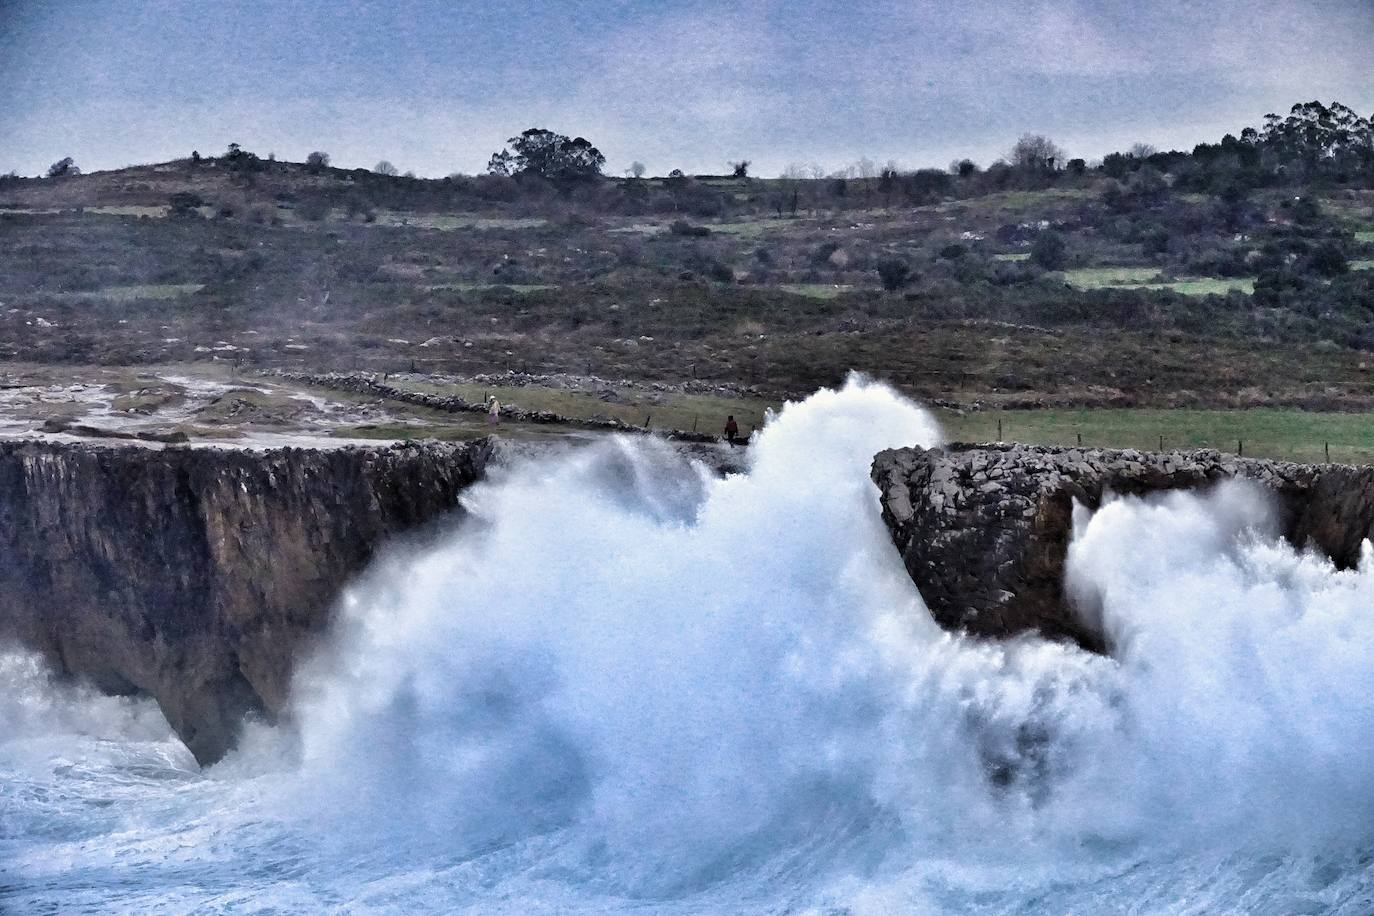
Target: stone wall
198, 575
984, 530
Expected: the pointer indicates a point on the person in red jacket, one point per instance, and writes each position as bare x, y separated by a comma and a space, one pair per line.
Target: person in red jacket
732, 430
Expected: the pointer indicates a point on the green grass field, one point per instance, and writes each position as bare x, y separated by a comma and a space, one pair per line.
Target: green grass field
449, 223
815, 290
1147, 278
751, 228
1289, 434
1365, 264
136, 292
1364, 236
1295, 435
1012, 256
663, 410
468, 287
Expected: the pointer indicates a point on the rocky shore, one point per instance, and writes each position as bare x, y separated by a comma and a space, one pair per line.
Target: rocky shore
198, 575
984, 529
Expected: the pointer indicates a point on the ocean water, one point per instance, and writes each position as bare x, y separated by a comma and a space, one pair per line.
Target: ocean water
623, 685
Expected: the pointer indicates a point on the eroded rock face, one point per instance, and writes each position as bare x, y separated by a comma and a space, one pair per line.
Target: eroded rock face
198, 576
984, 530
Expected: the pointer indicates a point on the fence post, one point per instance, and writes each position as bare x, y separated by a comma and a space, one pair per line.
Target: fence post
1161, 443
694, 422
999, 429
1080, 439
1328, 453
647, 419
1240, 447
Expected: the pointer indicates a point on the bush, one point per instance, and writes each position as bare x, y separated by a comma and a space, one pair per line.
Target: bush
894, 273
184, 203
313, 209
1050, 250
682, 227
1329, 260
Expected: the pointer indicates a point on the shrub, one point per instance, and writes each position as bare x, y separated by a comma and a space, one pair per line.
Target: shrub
894, 273
682, 227
1050, 250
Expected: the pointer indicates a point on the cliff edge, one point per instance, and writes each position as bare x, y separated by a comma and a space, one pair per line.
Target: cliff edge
984, 529
195, 575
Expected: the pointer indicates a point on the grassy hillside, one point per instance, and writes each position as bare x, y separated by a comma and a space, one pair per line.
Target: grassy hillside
1175, 298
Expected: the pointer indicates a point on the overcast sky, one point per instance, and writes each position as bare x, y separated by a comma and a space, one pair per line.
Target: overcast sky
437, 86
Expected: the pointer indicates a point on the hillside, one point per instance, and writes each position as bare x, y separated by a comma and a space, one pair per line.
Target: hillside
1062, 288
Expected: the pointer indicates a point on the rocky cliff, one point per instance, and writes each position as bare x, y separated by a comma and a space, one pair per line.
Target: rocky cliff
198, 575
984, 530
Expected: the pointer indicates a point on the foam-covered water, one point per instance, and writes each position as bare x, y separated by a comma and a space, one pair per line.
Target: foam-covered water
622, 684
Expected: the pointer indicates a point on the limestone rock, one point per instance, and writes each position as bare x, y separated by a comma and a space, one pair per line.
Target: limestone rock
987, 550
196, 575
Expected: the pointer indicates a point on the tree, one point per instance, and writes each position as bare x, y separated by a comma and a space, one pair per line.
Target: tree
740, 169
63, 167
184, 203
549, 155
894, 273
1329, 260
1036, 153
637, 169
385, 168
317, 161
241, 160
1050, 250
964, 168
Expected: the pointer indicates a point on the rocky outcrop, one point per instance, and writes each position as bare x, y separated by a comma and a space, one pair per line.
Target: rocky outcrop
984, 530
197, 576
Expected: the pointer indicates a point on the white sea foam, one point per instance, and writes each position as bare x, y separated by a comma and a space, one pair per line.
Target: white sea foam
621, 682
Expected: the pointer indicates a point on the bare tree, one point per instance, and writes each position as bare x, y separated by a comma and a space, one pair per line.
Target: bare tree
637, 169
317, 160
385, 168
1036, 152
1143, 150
740, 169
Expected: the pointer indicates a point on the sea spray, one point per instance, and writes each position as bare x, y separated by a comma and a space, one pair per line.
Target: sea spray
622, 682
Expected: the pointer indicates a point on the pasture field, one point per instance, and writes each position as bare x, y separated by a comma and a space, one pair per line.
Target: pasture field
449, 222
474, 287
1289, 434
135, 292
662, 410
1146, 278
815, 290
1283, 433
